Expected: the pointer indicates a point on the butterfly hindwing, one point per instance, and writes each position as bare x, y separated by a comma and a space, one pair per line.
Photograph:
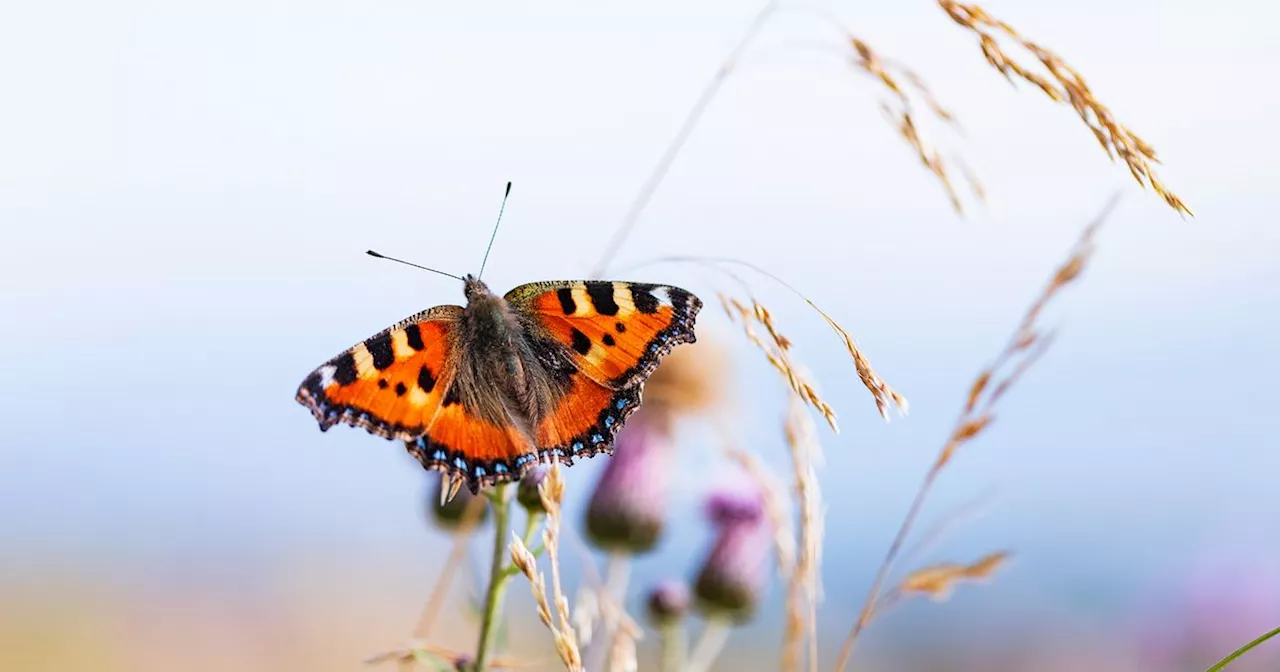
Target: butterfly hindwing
393, 383
586, 420
459, 442
615, 332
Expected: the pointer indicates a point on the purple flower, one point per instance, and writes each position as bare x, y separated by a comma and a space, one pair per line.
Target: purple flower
668, 602
736, 568
627, 509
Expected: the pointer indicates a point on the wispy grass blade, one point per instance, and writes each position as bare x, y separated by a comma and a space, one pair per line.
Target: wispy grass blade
1222, 664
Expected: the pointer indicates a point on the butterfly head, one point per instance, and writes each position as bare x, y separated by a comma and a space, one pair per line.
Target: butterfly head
473, 288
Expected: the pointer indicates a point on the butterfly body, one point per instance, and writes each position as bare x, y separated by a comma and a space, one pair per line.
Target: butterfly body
549, 371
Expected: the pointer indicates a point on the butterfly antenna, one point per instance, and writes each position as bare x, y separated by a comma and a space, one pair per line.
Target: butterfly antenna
495, 231
407, 263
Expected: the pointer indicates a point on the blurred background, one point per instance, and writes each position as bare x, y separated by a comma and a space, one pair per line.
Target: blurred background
187, 189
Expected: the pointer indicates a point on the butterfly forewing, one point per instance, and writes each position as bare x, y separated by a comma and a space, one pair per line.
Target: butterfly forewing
615, 333
391, 384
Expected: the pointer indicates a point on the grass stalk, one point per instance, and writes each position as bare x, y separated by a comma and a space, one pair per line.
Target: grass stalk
687, 127
1222, 664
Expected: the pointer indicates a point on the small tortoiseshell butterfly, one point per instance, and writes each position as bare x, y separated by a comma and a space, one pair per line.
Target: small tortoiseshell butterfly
550, 371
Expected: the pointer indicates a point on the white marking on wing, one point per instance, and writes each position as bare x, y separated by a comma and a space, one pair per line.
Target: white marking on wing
661, 294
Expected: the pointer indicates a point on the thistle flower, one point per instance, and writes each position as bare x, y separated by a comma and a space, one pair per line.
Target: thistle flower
451, 514
629, 504
668, 603
527, 492
628, 507
733, 575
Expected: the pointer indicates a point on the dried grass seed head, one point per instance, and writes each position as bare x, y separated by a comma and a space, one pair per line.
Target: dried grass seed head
1068, 86
939, 580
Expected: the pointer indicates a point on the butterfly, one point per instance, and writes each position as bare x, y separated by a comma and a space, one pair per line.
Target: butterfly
548, 372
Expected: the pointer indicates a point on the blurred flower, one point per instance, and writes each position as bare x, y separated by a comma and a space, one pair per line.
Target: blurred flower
627, 509
449, 515
1231, 598
628, 506
690, 380
527, 492
735, 570
668, 603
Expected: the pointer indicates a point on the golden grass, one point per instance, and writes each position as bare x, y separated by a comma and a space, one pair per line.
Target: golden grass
900, 112
938, 580
1064, 84
804, 583
798, 560
1023, 349
777, 352
907, 92
561, 627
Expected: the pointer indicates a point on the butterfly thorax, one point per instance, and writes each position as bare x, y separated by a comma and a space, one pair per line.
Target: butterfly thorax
494, 379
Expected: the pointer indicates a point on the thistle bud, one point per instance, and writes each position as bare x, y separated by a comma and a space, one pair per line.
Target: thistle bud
527, 492
449, 515
627, 509
735, 569
668, 603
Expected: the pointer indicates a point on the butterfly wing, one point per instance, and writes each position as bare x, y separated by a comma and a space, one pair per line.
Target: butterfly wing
463, 444
400, 384
614, 333
393, 383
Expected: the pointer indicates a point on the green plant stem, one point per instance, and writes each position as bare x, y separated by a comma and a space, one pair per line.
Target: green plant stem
531, 524
671, 640
1221, 664
710, 643
498, 577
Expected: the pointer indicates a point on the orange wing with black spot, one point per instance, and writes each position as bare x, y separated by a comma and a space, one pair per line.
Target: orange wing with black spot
393, 383
614, 333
